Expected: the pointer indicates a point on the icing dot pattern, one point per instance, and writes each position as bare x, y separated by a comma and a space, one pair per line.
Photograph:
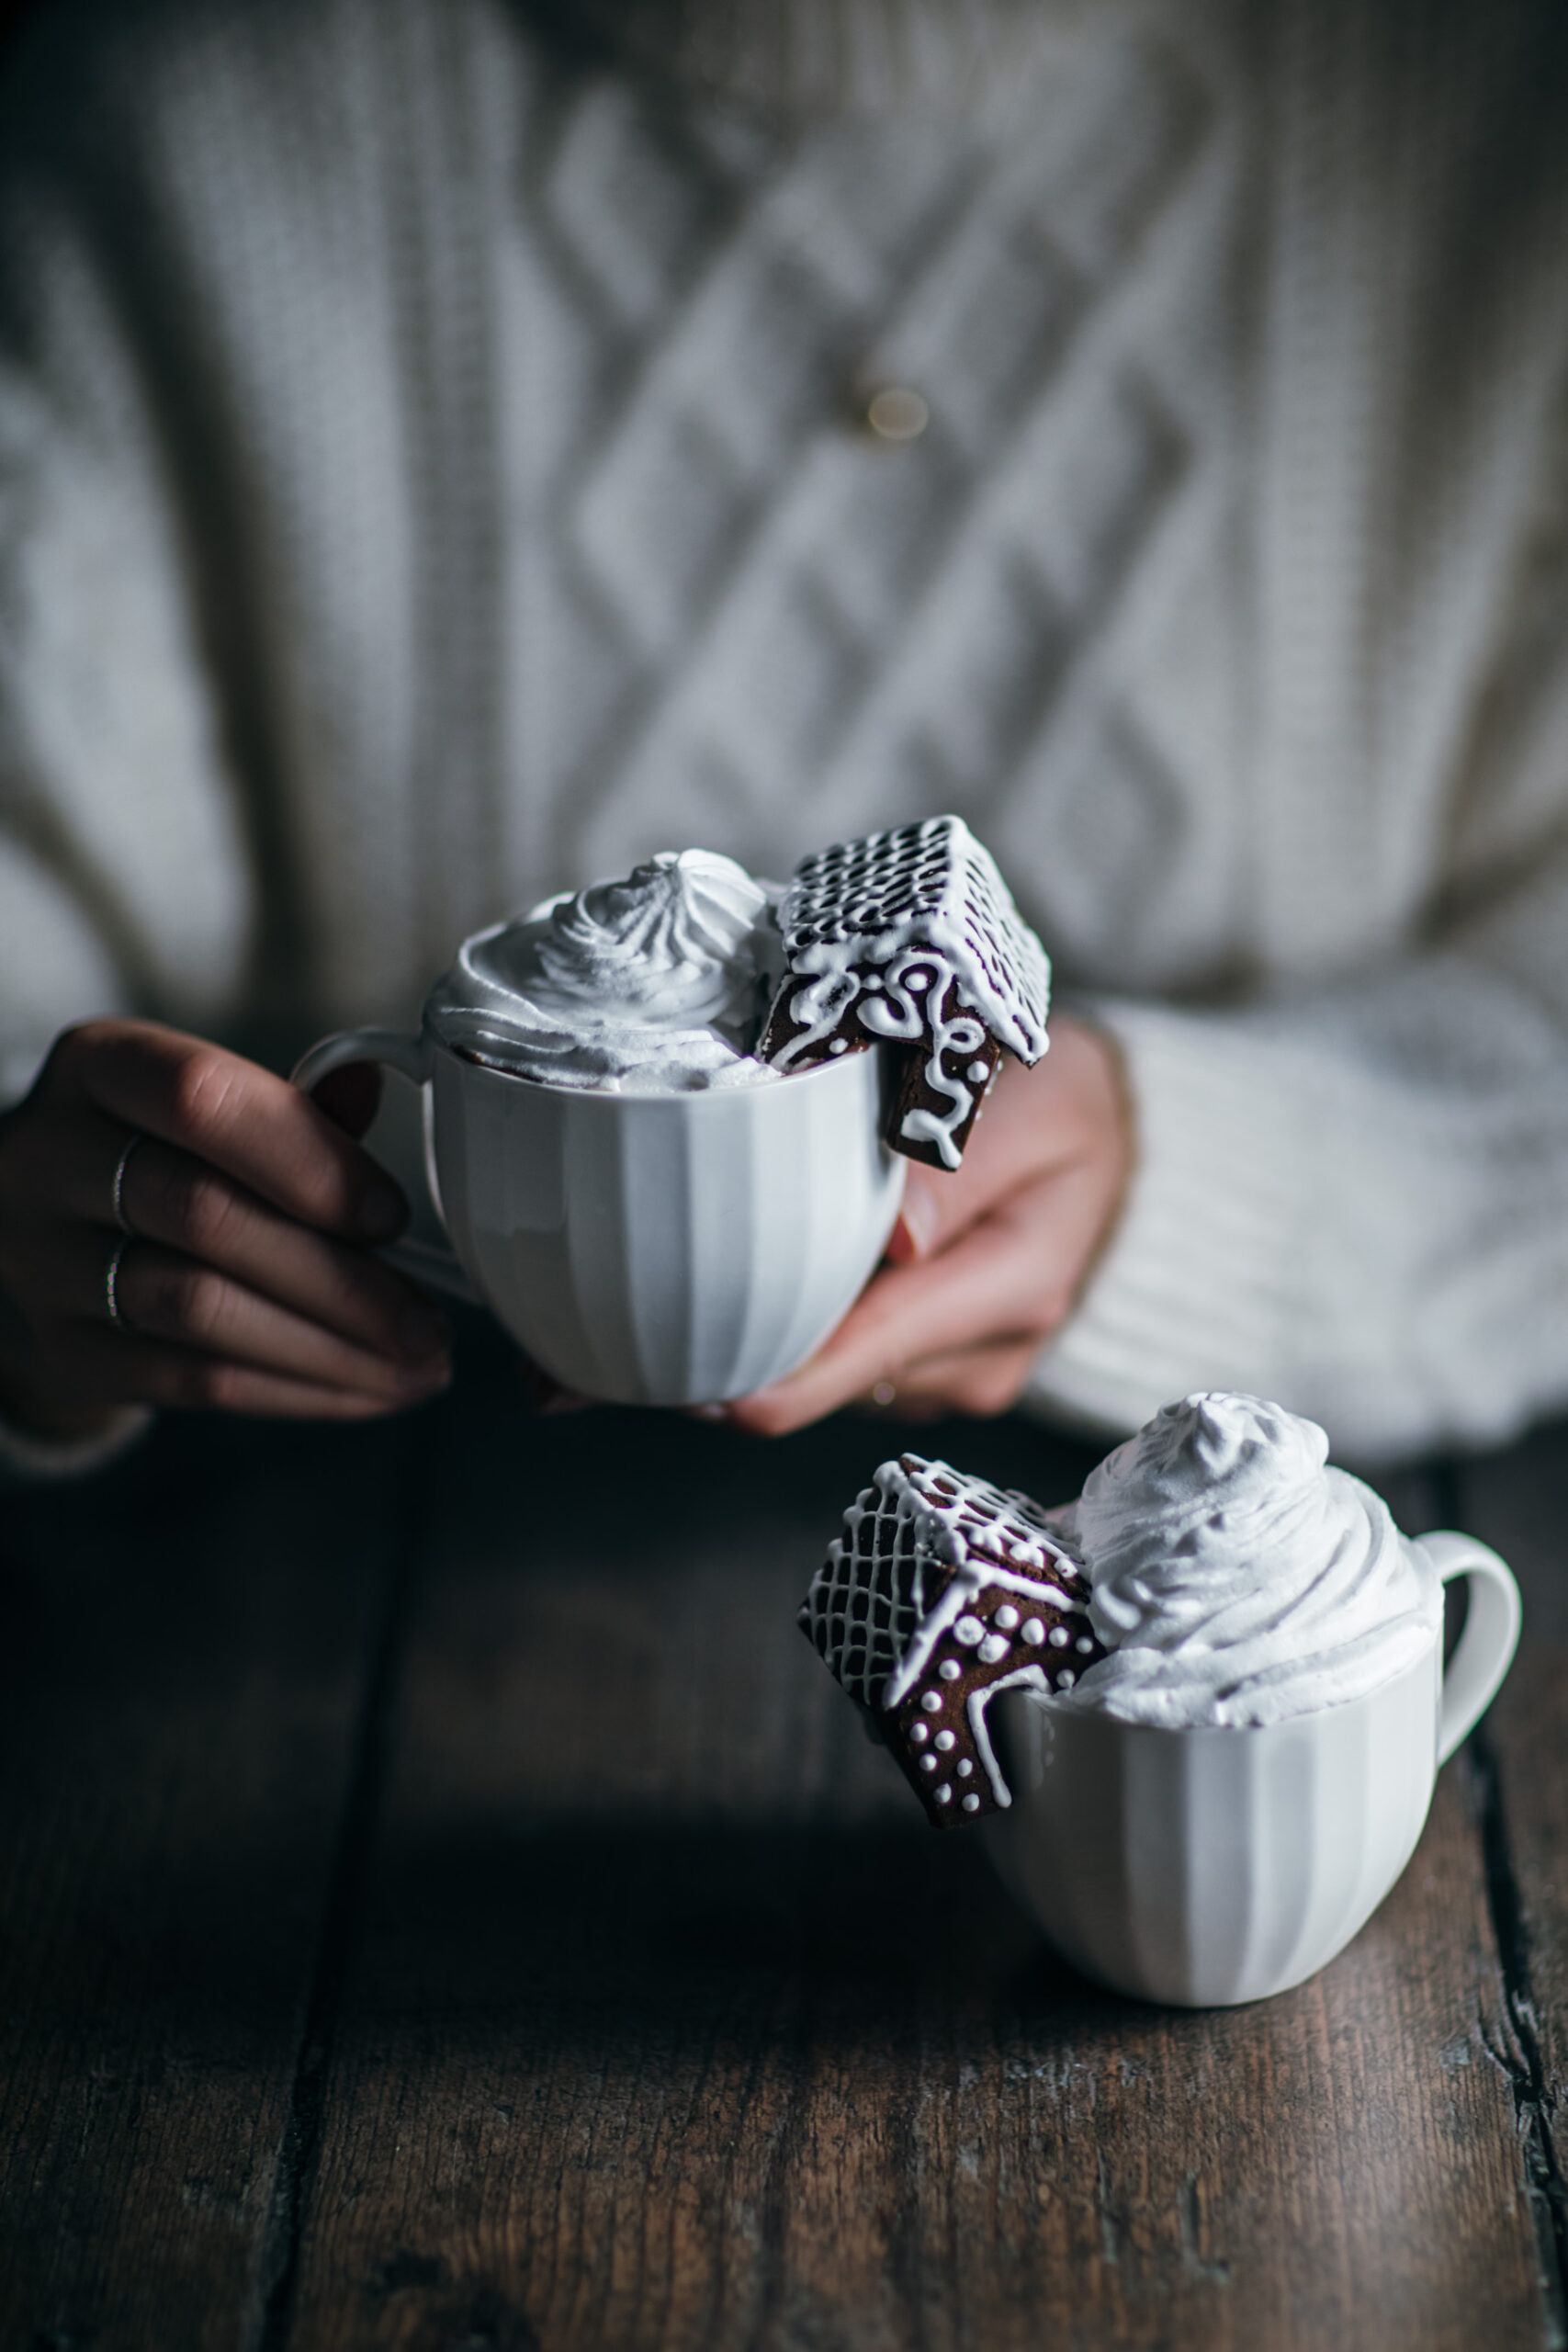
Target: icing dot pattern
941, 1589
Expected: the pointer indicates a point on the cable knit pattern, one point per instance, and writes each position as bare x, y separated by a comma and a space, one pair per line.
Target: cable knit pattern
430, 475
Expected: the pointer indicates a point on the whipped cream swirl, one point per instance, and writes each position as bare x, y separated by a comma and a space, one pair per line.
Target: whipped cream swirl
1237, 1578
656, 984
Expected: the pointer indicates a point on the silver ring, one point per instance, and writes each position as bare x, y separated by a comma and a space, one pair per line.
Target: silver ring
117, 1197
111, 1285
884, 1394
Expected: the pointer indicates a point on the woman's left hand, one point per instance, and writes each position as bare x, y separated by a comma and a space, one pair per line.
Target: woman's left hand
984, 1263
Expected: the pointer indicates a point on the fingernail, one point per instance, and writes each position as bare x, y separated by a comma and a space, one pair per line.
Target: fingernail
918, 1220
422, 1332
382, 1212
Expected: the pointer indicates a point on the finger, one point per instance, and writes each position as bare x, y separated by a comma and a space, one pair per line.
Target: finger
982, 1381
939, 1203
909, 1312
173, 1198
242, 1118
1032, 1123
544, 1393
108, 1367
1008, 1279
163, 1295
349, 1096
902, 1410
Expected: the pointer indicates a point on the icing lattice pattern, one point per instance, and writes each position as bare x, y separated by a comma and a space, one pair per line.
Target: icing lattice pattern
941, 1591
933, 887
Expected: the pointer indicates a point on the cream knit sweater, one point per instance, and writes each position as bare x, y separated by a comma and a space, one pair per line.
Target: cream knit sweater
429, 476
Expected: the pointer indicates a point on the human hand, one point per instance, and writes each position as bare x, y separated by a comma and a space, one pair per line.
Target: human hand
987, 1263
246, 1287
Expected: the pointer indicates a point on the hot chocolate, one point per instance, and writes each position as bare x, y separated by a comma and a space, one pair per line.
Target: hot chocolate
1215, 1572
1237, 1578
656, 984
690, 974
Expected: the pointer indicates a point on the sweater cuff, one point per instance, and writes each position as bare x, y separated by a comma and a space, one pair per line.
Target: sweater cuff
1206, 1282
27, 1459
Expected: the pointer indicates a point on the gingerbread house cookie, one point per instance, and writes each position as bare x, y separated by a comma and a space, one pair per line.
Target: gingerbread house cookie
941, 1592
910, 937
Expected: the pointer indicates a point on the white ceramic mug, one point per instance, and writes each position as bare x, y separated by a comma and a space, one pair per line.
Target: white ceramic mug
1208, 1867
648, 1248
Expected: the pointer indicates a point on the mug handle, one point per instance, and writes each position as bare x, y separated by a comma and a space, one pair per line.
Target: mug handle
1490, 1637
438, 1269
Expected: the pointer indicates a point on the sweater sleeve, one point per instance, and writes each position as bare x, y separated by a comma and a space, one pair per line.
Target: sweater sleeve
124, 877
1355, 1201
127, 875
124, 872
1351, 1194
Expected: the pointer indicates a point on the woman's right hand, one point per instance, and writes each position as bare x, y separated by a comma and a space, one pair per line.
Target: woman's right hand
247, 1286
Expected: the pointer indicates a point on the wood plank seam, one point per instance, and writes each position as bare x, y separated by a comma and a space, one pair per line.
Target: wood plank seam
1519, 2058
268, 2319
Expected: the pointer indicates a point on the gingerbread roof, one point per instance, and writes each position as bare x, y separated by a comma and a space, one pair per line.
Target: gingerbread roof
942, 1590
928, 887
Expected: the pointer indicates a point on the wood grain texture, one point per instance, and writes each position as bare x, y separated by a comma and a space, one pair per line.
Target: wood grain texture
671, 2024
183, 1650
1517, 1501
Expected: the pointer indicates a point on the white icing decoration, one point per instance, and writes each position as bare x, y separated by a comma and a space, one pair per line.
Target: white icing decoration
950, 1669
946, 1739
1006, 1617
944, 1794
954, 963
993, 1649
1058, 1637
1034, 1631
1084, 1644
951, 1032
901, 1576
971, 1803
969, 1630
916, 1555
1022, 1678
928, 1763
918, 1732
1065, 1680
964, 1768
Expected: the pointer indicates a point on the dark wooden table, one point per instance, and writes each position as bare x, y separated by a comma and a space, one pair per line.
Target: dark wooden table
447, 1905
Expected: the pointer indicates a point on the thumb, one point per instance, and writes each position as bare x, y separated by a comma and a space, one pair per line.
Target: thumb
924, 1220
